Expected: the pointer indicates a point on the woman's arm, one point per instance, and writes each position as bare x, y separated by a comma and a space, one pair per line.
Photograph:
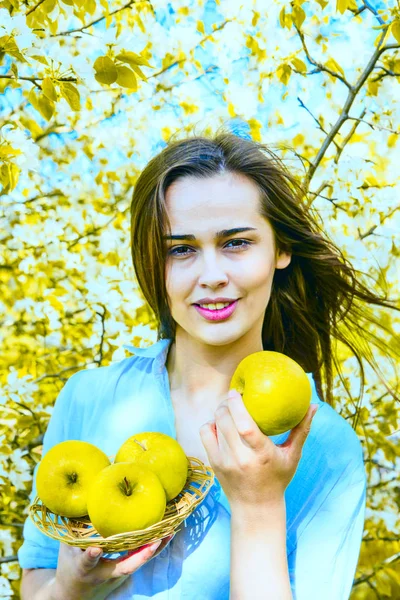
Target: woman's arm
259, 568
38, 584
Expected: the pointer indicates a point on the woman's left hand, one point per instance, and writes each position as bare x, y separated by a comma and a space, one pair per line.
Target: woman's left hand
252, 470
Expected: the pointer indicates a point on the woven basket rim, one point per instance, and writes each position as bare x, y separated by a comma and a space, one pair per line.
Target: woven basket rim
79, 532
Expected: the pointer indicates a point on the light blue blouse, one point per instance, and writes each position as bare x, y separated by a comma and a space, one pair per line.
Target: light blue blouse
325, 501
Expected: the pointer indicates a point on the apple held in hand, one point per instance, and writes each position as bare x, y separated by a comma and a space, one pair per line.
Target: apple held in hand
125, 497
275, 390
161, 454
65, 474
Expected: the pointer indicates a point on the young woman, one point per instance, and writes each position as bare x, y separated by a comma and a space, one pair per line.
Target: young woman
219, 219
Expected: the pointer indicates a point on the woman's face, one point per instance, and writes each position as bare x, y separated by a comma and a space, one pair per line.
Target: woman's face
237, 266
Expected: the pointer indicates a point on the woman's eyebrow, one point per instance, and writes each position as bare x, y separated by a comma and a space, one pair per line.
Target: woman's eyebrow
218, 235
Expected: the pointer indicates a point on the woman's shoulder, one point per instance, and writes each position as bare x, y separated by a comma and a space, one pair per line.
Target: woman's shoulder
93, 375
90, 383
333, 434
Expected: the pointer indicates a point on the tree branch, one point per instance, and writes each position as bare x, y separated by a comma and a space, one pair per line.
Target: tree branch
315, 119
35, 79
353, 91
388, 561
386, 73
372, 125
319, 66
82, 29
31, 10
368, 6
349, 136
371, 230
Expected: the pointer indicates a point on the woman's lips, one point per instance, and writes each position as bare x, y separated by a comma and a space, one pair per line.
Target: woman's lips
218, 314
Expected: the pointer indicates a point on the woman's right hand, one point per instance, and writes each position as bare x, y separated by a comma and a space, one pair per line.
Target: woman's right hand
81, 575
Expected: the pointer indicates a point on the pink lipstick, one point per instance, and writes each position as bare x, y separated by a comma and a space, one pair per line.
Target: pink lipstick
218, 314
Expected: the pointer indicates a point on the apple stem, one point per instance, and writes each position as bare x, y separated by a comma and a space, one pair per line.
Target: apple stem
127, 490
141, 445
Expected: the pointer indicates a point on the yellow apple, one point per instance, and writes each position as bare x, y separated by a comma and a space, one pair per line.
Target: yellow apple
275, 390
161, 454
125, 497
65, 474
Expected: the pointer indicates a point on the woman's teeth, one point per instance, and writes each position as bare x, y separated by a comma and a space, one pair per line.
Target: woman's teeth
219, 305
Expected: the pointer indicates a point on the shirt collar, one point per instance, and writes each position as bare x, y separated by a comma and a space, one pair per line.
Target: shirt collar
153, 351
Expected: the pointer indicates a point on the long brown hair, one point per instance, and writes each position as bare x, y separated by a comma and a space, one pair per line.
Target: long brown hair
318, 297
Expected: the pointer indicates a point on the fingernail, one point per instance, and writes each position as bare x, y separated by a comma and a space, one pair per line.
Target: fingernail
95, 553
231, 393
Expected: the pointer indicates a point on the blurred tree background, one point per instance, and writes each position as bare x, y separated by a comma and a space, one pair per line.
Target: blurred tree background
90, 91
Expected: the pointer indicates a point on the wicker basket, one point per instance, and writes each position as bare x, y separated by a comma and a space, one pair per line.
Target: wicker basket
81, 533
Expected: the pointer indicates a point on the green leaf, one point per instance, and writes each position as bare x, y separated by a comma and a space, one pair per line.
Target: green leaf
298, 16
9, 175
126, 78
106, 71
48, 6
41, 59
48, 89
334, 66
9, 46
342, 5
139, 71
71, 94
90, 6
132, 59
395, 575
42, 104
282, 18
284, 71
395, 29
299, 64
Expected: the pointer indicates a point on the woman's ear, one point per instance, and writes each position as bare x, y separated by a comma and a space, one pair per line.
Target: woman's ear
283, 260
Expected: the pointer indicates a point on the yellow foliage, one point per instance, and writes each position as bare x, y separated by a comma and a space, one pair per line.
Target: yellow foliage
359, 137
252, 43
395, 29
373, 87
334, 66
48, 89
106, 71
298, 15
71, 94
342, 5
200, 27
189, 109
299, 64
298, 140
55, 303
255, 19
231, 110
126, 77
9, 175
255, 129
166, 133
284, 72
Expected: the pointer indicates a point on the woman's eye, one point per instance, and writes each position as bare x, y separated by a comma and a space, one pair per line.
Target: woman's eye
176, 252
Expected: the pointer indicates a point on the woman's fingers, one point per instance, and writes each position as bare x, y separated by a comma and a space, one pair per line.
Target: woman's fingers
132, 563
90, 558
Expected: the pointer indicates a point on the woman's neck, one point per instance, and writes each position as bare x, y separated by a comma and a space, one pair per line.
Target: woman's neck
197, 372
